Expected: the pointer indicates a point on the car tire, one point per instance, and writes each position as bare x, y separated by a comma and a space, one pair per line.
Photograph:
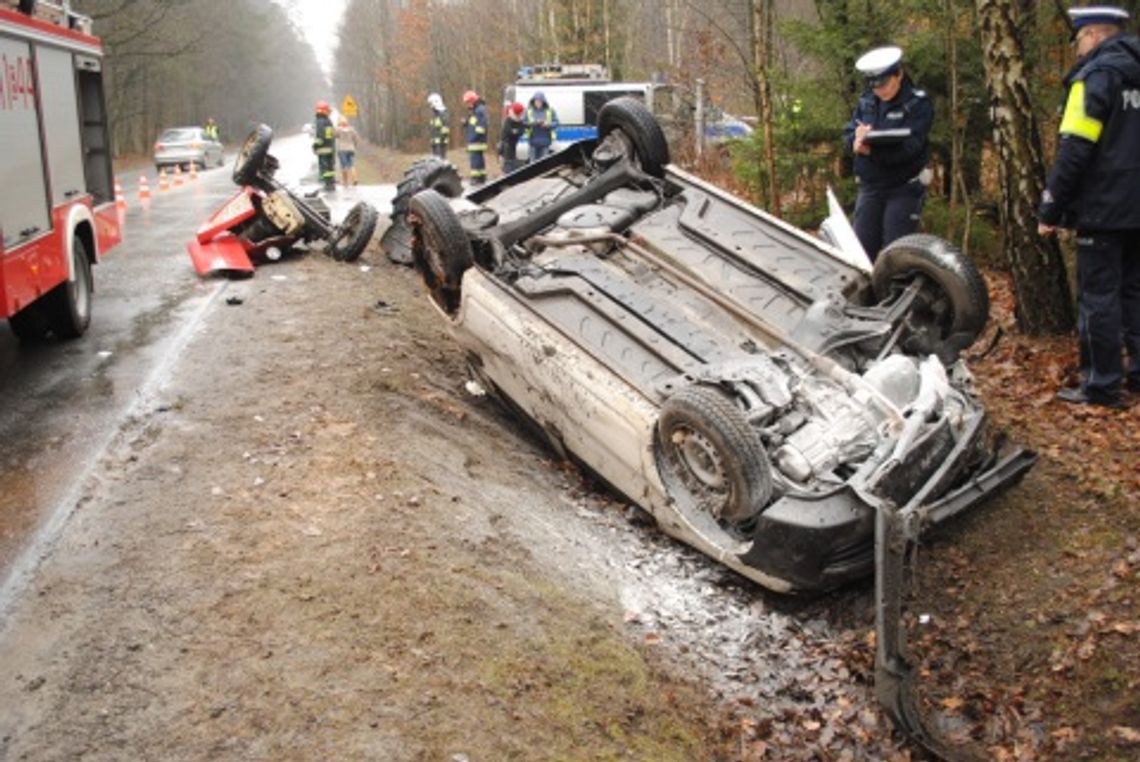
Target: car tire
431, 173
251, 156
954, 304
638, 123
440, 249
710, 459
352, 235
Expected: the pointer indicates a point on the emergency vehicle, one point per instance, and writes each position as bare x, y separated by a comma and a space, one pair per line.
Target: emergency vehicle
57, 200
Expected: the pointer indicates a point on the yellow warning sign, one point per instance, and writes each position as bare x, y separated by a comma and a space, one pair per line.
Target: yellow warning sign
348, 106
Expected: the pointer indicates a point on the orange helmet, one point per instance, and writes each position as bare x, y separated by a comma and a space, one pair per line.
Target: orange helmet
323, 107
470, 97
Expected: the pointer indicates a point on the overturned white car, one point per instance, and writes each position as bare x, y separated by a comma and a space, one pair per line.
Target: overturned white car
757, 390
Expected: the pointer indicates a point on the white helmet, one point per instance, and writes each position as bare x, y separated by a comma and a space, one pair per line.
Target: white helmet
435, 101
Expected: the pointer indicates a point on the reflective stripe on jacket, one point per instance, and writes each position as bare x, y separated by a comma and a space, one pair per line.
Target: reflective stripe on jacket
439, 129
324, 136
1095, 182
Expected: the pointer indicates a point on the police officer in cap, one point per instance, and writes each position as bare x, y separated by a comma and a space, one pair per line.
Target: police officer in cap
1094, 187
888, 136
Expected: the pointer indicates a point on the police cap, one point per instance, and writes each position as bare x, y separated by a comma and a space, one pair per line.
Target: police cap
879, 64
1098, 14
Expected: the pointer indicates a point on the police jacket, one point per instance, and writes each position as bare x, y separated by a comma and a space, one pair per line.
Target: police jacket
541, 124
475, 128
324, 135
440, 131
509, 137
1095, 182
892, 164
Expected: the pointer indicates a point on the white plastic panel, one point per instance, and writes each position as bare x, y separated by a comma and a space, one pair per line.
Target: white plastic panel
23, 194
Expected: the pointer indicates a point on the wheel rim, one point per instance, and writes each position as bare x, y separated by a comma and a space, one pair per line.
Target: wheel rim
932, 306
700, 468
81, 287
349, 228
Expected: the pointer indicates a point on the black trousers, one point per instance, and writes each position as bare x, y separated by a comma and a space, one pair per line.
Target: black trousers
1108, 313
885, 214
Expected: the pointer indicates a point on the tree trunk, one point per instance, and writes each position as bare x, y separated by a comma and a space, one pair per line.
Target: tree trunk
1040, 285
761, 51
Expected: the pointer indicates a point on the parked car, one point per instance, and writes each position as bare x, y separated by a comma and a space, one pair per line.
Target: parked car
756, 389
179, 146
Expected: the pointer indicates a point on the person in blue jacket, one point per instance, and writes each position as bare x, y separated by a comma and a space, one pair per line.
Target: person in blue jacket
887, 135
475, 131
1094, 187
541, 126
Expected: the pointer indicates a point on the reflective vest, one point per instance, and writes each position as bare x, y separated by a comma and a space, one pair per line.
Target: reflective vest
541, 134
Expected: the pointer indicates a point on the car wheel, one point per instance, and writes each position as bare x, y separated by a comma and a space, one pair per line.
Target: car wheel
430, 173
440, 249
710, 458
638, 124
353, 234
251, 156
953, 305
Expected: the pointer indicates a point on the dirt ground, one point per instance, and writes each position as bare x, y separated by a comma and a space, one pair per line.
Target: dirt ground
315, 544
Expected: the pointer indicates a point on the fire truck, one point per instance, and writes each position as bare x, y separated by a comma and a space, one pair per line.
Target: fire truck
57, 199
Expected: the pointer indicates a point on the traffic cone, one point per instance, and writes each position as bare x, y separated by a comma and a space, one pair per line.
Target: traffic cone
163, 182
120, 199
193, 170
177, 174
144, 188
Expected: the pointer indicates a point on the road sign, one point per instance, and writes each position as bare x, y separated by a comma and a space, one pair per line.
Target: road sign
348, 106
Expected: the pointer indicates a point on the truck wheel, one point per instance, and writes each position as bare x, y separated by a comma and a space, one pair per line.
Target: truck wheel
251, 156
440, 249
953, 305
353, 234
711, 460
429, 173
638, 124
68, 305
30, 324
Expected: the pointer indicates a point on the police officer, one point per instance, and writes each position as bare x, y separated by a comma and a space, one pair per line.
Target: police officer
1095, 187
475, 131
438, 127
324, 145
888, 136
211, 129
541, 126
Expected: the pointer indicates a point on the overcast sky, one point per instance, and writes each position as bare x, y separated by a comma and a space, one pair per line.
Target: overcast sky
319, 20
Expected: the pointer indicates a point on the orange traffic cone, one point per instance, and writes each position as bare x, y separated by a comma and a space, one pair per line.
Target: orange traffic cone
120, 199
144, 188
163, 183
177, 174
193, 170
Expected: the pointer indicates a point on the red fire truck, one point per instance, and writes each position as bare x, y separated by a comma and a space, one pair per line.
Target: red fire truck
57, 200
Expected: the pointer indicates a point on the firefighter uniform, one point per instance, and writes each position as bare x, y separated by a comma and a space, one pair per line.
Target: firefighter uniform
324, 146
439, 128
475, 131
541, 126
891, 171
1094, 187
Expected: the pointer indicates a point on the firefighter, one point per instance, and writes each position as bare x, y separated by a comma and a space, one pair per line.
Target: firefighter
211, 129
513, 129
475, 131
1094, 187
324, 145
438, 128
541, 126
890, 167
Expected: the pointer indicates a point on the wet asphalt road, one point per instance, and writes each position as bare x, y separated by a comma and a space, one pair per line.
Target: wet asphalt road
63, 402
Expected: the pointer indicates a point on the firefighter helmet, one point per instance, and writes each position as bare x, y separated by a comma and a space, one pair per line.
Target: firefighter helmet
435, 101
517, 108
470, 97
323, 107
